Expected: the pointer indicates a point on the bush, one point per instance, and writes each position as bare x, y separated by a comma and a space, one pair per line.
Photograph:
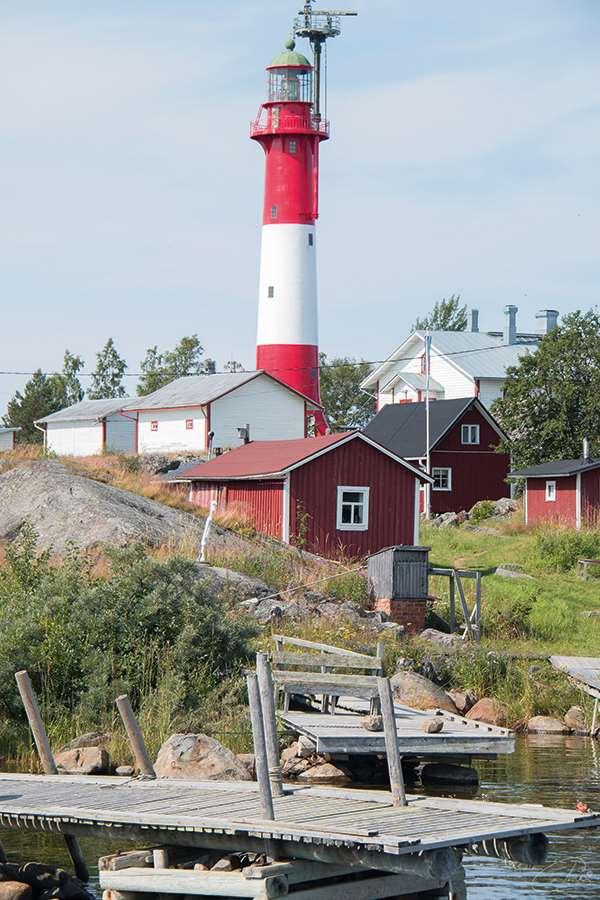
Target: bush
558, 549
482, 510
149, 629
551, 618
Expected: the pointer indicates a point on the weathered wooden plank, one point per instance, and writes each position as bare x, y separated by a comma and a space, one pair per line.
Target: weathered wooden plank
325, 648
370, 888
314, 660
181, 881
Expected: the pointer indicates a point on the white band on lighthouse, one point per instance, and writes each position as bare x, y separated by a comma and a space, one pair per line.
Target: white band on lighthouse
287, 306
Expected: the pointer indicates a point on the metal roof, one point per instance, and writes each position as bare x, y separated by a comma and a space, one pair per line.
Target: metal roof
401, 426
478, 354
415, 380
197, 390
558, 468
86, 410
7, 430
273, 459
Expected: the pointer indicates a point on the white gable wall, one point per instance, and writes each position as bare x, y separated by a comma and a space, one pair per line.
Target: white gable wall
81, 438
172, 434
455, 383
6, 440
272, 411
490, 389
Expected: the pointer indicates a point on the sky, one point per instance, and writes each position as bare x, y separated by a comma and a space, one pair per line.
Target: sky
465, 158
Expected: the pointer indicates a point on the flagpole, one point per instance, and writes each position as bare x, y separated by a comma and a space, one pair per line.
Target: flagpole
427, 433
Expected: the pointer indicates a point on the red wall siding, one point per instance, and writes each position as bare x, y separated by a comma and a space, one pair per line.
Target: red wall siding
260, 502
590, 498
313, 487
562, 510
478, 472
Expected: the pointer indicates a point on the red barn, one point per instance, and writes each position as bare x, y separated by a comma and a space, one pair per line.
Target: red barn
565, 492
463, 439
336, 495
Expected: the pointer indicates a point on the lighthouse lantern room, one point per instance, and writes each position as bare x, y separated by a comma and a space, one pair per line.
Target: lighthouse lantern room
290, 128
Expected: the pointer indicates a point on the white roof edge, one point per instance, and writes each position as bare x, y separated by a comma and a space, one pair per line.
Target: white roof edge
373, 377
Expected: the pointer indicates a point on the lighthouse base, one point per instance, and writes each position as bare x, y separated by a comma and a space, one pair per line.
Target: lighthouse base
298, 366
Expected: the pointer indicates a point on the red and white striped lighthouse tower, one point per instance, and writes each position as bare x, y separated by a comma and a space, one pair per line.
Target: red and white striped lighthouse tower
290, 131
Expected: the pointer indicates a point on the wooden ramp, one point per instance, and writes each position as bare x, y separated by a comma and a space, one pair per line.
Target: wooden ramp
584, 671
192, 813
343, 732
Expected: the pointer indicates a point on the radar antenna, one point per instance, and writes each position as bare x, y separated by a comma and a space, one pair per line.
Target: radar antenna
317, 25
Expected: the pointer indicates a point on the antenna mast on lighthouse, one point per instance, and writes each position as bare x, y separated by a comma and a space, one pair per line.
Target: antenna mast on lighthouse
317, 25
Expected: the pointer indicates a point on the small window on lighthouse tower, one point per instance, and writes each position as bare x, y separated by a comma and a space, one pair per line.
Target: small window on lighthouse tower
271, 291
293, 146
311, 238
273, 212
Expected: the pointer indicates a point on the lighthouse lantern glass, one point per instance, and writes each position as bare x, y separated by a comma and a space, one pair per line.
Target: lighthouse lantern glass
290, 84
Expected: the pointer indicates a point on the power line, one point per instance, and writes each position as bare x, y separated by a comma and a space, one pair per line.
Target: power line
319, 366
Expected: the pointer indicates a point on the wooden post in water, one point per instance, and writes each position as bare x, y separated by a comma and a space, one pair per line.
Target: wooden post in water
44, 750
267, 700
260, 748
135, 737
391, 742
595, 717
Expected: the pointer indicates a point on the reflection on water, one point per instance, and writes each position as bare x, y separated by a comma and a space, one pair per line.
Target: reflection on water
553, 770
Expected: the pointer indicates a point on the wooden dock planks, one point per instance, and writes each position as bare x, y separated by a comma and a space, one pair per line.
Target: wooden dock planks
362, 819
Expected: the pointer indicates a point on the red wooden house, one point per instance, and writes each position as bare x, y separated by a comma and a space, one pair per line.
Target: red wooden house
565, 492
336, 495
463, 438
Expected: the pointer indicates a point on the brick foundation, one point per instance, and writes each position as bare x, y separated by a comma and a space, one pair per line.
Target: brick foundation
410, 613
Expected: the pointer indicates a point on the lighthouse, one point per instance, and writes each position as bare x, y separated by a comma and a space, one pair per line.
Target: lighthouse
290, 132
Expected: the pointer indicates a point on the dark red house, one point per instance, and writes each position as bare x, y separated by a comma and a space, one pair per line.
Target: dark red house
336, 495
565, 492
465, 463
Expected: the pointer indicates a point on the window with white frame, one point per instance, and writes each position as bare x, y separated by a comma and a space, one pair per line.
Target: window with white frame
442, 478
551, 491
352, 508
470, 434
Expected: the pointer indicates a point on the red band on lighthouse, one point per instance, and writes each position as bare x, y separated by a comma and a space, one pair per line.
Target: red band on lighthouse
289, 132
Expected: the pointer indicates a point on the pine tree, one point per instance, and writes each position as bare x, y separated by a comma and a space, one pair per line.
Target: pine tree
39, 398
446, 315
159, 369
107, 379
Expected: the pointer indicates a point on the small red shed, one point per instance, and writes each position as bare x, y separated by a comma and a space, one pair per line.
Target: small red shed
336, 495
566, 492
464, 437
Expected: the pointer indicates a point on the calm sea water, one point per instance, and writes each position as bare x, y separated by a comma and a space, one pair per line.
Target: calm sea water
556, 771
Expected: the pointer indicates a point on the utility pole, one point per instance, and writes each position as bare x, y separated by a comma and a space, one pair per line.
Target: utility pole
427, 431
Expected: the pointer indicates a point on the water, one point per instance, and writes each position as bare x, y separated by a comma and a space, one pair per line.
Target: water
555, 771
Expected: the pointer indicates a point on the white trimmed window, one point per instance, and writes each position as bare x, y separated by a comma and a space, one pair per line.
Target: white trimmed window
470, 434
550, 491
442, 479
352, 508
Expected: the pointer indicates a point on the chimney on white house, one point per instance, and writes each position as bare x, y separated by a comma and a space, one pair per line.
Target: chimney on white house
474, 320
586, 450
510, 324
548, 319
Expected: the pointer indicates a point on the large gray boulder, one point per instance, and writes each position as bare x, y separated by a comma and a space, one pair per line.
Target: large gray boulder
546, 725
420, 693
197, 757
83, 761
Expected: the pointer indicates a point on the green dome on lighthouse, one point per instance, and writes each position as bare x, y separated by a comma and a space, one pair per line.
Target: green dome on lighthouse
290, 57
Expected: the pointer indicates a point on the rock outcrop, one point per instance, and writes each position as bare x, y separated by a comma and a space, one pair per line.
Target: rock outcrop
83, 761
546, 725
197, 757
488, 710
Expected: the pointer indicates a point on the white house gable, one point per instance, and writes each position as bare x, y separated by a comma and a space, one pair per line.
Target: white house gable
78, 438
171, 430
272, 411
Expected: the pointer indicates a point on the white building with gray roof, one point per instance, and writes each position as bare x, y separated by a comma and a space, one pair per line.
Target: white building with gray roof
463, 363
89, 428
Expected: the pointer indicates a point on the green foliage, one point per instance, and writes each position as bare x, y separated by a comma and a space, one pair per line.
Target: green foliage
107, 379
67, 385
146, 627
160, 368
39, 399
446, 315
552, 397
482, 510
346, 405
550, 618
558, 549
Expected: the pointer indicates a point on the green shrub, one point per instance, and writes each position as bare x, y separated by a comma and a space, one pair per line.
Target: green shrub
508, 617
551, 618
558, 549
482, 510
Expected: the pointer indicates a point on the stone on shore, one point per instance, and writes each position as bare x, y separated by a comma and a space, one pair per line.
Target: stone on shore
546, 725
372, 723
83, 761
248, 760
441, 638
89, 739
574, 719
15, 890
325, 773
463, 700
198, 757
448, 773
419, 692
125, 771
489, 711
